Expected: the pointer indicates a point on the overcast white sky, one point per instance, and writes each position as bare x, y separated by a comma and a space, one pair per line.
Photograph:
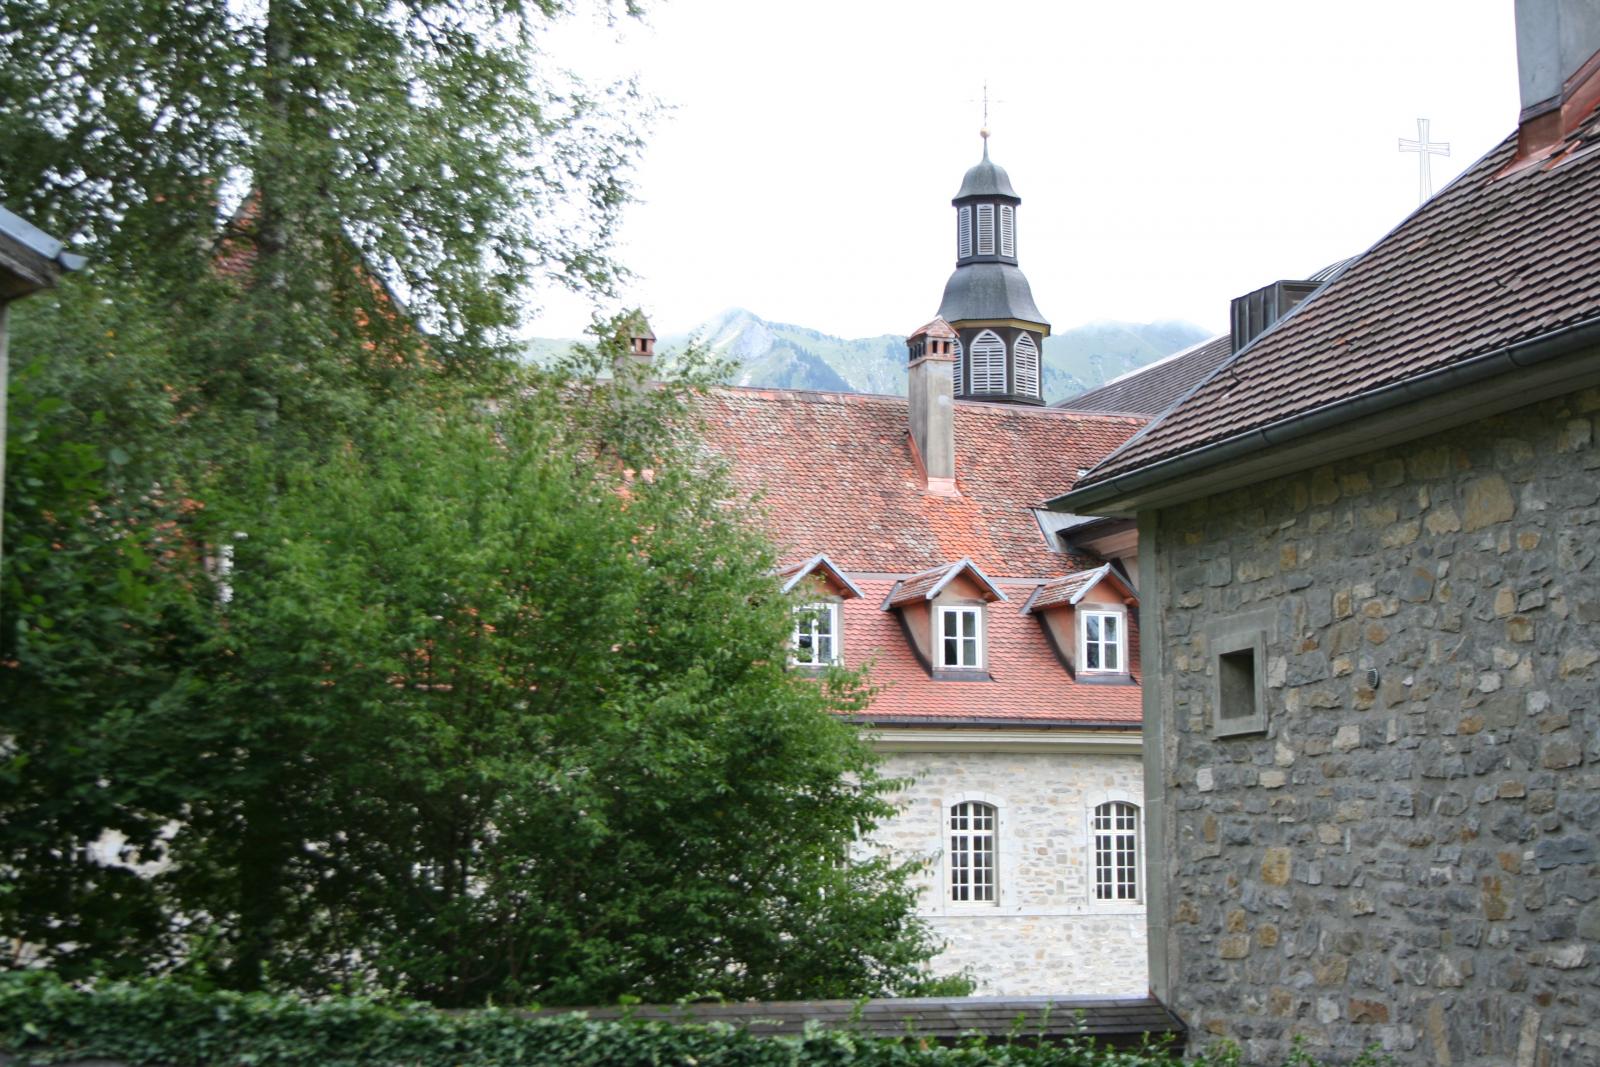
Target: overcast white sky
1170, 154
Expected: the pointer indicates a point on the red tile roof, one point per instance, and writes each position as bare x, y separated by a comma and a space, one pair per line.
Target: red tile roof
837, 475
1028, 683
1491, 260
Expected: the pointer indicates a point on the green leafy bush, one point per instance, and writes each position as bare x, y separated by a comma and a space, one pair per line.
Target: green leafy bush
45, 1020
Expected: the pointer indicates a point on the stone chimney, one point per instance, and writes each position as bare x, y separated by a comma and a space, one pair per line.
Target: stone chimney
1558, 70
638, 344
931, 396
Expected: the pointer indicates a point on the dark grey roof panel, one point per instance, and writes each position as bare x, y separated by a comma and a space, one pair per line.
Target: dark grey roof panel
987, 179
1152, 389
989, 291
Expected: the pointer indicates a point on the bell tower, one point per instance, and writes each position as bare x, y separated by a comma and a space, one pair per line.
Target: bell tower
987, 300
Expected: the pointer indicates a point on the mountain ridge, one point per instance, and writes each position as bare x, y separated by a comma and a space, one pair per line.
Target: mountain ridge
789, 356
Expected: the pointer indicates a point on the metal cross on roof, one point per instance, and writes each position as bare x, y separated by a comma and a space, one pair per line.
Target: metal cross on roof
984, 131
1424, 148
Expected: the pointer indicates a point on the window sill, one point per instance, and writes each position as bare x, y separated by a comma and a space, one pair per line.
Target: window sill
1087, 677
960, 674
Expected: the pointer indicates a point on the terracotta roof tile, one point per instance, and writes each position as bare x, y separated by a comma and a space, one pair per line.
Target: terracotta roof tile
926, 586
836, 474
1491, 260
1067, 590
1027, 682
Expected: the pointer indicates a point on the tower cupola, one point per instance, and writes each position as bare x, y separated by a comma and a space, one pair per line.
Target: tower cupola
987, 300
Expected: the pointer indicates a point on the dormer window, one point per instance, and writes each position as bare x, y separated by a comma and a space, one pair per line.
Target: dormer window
1086, 616
1102, 641
816, 635
959, 645
942, 612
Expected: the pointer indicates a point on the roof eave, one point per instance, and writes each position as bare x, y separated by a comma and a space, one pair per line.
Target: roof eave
1181, 477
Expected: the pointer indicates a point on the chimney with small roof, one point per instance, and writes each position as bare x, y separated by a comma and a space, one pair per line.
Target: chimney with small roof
638, 342
1558, 71
931, 399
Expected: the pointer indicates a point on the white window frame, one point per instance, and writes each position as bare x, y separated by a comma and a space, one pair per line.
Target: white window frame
985, 229
810, 613
963, 231
1116, 852
975, 636
1120, 644
1025, 358
988, 363
972, 865
1008, 230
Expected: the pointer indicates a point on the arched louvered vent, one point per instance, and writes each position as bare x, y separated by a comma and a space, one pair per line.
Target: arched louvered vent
964, 232
988, 363
985, 229
961, 367
1008, 232
1026, 361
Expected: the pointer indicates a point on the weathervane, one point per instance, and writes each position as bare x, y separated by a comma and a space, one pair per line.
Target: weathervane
984, 130
1424, 148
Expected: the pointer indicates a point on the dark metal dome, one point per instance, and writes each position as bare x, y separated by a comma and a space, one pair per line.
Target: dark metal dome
988, 291
987, 179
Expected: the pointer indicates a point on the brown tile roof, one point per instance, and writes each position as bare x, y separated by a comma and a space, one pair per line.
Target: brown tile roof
926, 586
837, 475
1490, 261
1070, 589
1119, 1022
1154, 388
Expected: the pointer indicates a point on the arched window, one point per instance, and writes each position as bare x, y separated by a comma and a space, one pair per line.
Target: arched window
964, 231
961, 367
1026, 360
985, 229
1116, 851
1008, 230
973, 828
988, 363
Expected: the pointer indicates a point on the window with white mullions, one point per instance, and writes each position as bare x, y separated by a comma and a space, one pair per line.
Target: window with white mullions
972, 852
1116, 851
958, 638
1102, 641
985, 229
816, 636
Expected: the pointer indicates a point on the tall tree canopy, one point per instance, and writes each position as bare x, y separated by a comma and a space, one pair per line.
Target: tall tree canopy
492, 700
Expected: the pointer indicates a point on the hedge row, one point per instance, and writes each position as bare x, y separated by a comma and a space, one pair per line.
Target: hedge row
44, 1020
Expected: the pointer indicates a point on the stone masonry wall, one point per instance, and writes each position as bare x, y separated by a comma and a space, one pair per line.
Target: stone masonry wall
1045, 934
1411, 862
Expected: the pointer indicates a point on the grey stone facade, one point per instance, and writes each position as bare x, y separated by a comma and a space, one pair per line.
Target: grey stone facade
1407, 854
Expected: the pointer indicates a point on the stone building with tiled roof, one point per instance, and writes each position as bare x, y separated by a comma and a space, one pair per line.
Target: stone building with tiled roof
1371, 627
1004, 655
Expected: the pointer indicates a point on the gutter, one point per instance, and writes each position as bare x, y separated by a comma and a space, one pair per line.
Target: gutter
1339, 413
980, 724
